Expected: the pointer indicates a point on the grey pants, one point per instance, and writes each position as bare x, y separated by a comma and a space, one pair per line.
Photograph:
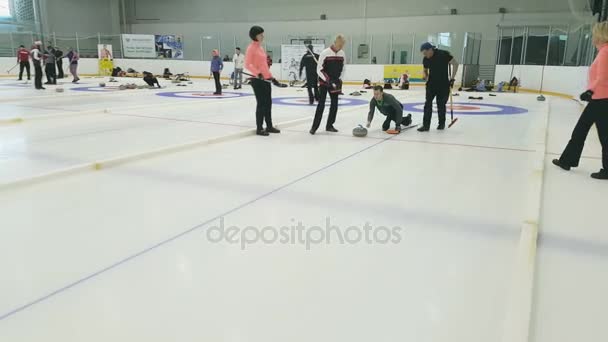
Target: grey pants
238, 77
74, 71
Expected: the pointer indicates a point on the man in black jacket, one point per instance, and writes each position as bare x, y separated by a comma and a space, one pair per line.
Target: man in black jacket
59, 56
309, 61
439, 82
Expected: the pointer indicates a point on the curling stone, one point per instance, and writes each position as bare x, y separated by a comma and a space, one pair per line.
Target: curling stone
360, 131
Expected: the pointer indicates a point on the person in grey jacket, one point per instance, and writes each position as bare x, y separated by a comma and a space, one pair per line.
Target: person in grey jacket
388, 105
50, 67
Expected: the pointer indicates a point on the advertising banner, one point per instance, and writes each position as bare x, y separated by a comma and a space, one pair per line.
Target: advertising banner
394, 72
169, 46
139, 45
106, 59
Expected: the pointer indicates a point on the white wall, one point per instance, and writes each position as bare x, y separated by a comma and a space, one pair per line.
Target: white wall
282, 10
353, 73
85, 16
401, 28
565, 80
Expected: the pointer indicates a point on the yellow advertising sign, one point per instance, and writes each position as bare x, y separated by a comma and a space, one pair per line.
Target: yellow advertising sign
394, 72
105, 67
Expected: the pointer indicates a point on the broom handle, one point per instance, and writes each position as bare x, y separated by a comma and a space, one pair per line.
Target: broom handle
248, 74
451, 97
11, 69
313, 55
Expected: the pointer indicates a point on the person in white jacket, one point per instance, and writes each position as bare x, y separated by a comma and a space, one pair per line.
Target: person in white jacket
239, 63
37, 60
330, 70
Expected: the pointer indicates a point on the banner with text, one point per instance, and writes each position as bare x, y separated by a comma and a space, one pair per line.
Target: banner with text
291, 56
394, 72
139, 45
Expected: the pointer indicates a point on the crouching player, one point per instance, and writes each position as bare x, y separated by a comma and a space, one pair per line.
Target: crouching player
388, 105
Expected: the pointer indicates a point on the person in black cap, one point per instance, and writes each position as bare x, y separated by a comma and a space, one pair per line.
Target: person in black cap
309, 61
256, 63
438, 82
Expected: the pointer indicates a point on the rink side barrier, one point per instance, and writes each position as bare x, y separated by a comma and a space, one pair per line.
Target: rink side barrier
518, 317
18, 120
563, 81
116, 161
355, 83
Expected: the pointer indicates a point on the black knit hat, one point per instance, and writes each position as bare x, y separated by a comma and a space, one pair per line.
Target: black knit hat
254, 31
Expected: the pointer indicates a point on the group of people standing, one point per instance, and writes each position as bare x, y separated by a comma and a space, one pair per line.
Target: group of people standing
51, 58
324, 73
326, 69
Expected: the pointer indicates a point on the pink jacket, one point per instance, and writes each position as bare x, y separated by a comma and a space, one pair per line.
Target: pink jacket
598, 74
255, 60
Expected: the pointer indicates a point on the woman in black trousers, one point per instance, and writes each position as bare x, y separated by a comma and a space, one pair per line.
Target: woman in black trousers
596, 111
255, 62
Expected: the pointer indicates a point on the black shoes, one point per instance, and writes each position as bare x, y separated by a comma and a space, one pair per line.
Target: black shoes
216, 93
328, 129
603, 174
266, 132
557, 162
441, 127
407, 120
423, 129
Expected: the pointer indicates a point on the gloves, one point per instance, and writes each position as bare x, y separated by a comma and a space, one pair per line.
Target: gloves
335, 86
586, 96
260, 77
452, 83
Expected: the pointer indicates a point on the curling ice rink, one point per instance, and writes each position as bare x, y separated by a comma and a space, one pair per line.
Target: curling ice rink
101, 240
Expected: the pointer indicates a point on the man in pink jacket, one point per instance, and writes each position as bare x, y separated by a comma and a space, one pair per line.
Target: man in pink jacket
596, 111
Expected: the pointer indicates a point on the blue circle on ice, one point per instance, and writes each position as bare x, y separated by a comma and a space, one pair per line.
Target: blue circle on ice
303, 101
201, 95
469, 108
20, 85
96, 89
